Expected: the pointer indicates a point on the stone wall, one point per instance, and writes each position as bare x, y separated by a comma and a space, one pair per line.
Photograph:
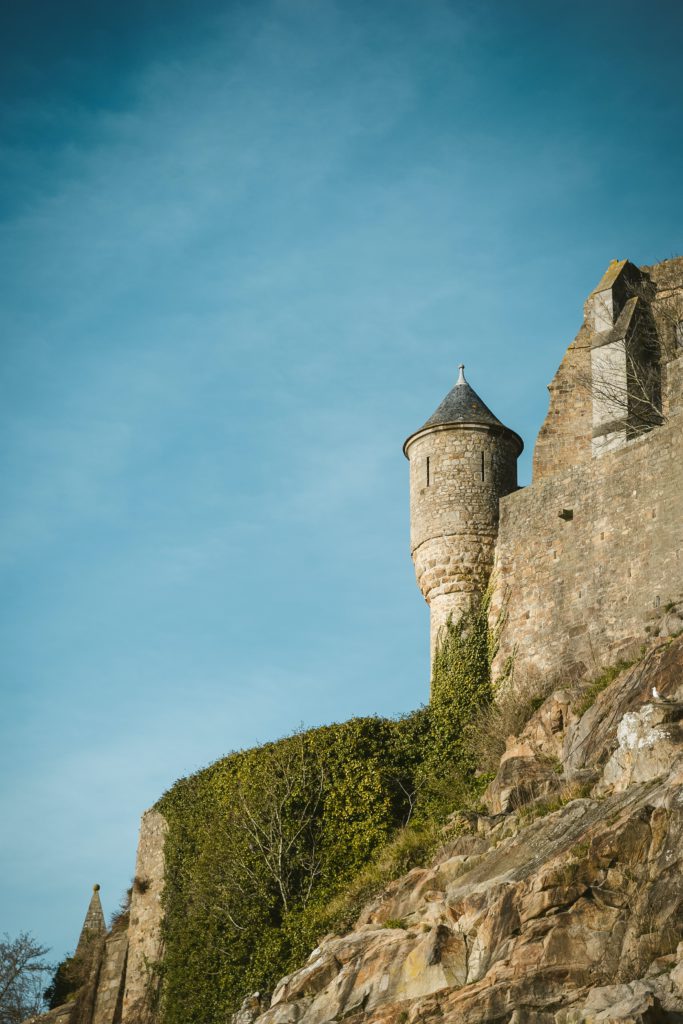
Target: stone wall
589, 553
457, 475
110, 981
585, 588
146, 913
60, 1015
564, 439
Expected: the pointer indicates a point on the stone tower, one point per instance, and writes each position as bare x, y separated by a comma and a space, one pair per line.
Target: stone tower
462, 461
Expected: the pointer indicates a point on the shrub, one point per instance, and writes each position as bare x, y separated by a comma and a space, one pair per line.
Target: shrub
66, 981
461, 690
270, 848
258, 845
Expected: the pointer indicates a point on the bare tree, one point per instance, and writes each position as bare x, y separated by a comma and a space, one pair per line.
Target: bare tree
279, 822
23, 972
268, 838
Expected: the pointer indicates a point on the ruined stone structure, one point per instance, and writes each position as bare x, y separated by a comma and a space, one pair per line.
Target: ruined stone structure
586, 556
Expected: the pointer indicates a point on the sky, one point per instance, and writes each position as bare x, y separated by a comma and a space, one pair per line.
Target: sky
243, 249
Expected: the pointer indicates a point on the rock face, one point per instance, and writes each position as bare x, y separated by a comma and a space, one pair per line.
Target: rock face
649, 740
563, 905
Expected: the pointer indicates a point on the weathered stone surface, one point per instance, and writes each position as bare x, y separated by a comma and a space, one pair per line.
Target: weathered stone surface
144, 933
250, 1009
60, 1015
546, 730
456, 479
590, 741
110, 982
638, 736
522, 777
94, 926
647, 1000
649, 744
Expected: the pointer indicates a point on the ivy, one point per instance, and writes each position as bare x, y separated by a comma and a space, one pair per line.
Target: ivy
272, 847
461, 687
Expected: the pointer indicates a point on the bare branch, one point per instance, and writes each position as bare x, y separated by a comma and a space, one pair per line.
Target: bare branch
23, 974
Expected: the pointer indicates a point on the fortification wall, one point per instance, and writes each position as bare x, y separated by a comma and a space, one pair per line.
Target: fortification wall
584, 589
112, 971
146, 914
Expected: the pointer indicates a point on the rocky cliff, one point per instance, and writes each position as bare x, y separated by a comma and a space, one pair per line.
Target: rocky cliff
563, 903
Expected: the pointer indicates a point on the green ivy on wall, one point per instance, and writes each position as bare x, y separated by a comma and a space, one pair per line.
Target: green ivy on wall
270, 848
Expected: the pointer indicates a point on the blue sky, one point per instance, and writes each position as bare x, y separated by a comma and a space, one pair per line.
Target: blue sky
243, 247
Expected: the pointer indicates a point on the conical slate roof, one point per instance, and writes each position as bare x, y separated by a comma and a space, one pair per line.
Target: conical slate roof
463, 405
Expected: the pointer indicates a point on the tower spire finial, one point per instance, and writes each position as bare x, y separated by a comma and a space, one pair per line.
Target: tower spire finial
461, 374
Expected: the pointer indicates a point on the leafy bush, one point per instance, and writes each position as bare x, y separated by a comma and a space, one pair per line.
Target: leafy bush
258, 844
461, 692
411, 847
65, 983
270, 848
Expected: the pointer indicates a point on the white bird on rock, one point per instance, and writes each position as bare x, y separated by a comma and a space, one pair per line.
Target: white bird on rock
658, 696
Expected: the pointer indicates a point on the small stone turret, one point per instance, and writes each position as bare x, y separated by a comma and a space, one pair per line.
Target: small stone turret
462, 461
94, 926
